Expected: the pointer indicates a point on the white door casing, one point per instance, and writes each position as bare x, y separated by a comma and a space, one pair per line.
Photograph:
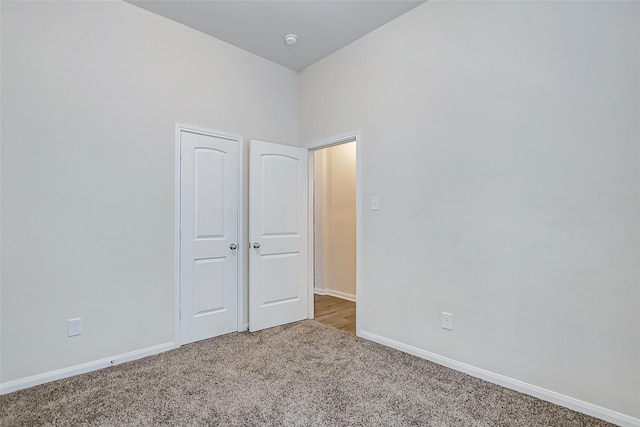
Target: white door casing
278, 230
209, 200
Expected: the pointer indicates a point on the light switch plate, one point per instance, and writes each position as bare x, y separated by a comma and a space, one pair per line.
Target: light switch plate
375, 203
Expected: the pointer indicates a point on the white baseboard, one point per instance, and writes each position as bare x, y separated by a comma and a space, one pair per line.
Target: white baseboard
511, 383
333, 293
46, 377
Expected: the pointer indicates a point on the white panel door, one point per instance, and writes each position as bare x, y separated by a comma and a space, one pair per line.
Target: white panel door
209, 235
278, 224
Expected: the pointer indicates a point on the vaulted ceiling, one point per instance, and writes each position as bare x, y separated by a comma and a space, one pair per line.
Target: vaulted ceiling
322, 27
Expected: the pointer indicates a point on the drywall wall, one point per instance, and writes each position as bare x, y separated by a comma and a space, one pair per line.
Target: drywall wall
91, 93
502, 139
319, 200
335, 220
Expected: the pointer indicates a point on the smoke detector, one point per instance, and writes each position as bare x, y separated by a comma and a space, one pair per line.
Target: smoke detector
291, 39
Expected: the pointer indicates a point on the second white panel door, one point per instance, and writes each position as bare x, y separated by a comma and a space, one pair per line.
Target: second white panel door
278, 228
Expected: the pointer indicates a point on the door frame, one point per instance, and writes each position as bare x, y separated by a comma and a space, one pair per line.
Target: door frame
330, 142
179, 127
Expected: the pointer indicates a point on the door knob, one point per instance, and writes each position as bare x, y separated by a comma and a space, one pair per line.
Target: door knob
256, 245
233, 246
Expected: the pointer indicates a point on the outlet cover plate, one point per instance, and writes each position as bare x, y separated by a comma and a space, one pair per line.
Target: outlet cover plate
447, 321
74, 326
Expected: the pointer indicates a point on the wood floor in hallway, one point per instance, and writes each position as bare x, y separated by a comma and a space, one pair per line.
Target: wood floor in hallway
336, 312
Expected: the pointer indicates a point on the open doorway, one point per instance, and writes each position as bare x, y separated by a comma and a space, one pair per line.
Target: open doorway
334, 228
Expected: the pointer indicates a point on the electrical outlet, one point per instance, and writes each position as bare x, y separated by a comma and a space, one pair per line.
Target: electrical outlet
447, 321
74, 326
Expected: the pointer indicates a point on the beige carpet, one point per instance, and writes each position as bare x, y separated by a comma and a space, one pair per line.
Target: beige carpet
304, 374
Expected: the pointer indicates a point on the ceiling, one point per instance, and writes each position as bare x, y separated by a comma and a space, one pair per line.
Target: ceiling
322, 26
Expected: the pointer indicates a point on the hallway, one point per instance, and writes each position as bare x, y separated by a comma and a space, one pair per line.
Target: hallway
336, 312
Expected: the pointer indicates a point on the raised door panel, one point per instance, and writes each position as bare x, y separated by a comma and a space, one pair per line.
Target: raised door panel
209, 191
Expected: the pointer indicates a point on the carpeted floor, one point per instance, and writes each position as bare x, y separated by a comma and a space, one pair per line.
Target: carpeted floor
303, 374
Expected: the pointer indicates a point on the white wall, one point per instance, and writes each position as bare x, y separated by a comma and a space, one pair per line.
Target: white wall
502, 138
319, 200
91, 92
335, 222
